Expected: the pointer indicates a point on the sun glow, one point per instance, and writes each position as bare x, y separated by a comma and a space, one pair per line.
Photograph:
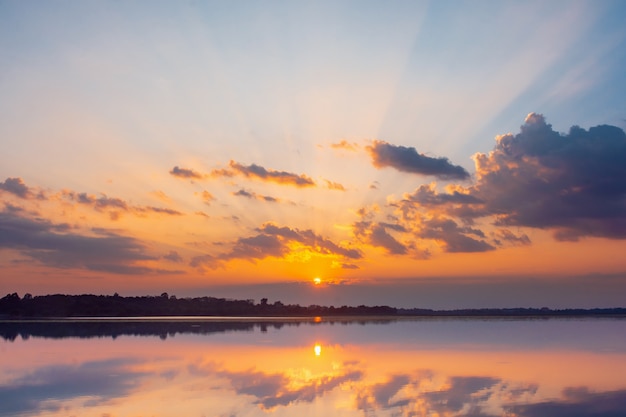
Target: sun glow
317, 280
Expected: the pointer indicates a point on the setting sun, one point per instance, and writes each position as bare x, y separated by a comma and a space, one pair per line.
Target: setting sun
317, 280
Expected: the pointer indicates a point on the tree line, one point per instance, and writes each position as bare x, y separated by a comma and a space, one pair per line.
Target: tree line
89, 305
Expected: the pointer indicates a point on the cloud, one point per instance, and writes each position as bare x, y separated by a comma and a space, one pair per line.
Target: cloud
406, 159
376, 235
454, 238
334, 186
577, 402
114, 206
573, 184
346, 266
278, 242
206, 197
186, 173
259, 173
506, 235
54, 245
173, 256
161, 196
345, 145
427, 196
254, 196
15, 186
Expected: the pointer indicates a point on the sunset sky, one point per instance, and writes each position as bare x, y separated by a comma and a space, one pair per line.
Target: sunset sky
435, 154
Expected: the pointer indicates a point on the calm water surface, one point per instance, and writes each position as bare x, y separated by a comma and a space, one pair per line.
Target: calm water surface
422, 367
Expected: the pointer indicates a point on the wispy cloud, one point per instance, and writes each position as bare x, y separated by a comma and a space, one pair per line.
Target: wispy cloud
206, 197
254, 196
260, 173
115, 206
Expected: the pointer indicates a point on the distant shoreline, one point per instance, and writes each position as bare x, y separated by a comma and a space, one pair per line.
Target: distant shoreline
166, 307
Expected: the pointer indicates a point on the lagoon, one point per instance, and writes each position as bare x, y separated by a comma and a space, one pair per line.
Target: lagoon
314, 367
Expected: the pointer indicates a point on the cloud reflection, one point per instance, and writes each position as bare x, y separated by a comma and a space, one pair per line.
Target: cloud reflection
45, 389
271, 390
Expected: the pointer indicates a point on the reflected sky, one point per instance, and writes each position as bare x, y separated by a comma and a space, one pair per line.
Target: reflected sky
448, 367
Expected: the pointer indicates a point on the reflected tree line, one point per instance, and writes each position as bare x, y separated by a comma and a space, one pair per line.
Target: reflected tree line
88, 305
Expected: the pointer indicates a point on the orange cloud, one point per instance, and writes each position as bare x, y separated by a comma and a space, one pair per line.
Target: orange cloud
334, 186
345, 145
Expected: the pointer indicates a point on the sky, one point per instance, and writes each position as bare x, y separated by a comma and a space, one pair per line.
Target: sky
444, 154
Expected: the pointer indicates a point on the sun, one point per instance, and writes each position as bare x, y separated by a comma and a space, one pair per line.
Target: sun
317, 280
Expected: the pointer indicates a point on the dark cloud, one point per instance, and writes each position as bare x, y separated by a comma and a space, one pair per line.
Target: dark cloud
91, 383
15, 186
157, 210
577, 402
173, 256
573, 184
244, 193
505, 235
454, 237
376, 234
258, 172
427, 196
254, 196
53, 245
407, 159
274, 241
186, 173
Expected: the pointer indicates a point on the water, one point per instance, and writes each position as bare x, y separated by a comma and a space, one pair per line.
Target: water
421, 367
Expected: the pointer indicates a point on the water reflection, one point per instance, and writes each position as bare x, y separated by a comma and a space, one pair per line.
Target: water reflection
405, 368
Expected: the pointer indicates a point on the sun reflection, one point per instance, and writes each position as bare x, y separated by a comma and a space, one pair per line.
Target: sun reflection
317, 349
